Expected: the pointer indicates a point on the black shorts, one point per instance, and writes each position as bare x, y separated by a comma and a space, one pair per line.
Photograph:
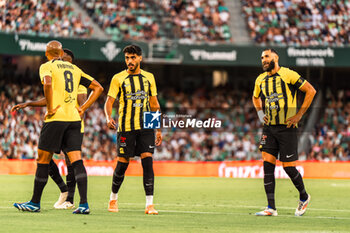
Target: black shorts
278, 139
135, 142
60, 135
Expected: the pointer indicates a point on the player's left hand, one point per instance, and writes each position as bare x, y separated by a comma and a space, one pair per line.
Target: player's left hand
293, 121
81, 112
159, 138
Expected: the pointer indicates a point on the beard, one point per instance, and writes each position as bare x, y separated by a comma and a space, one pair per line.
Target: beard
133, 68
270, 67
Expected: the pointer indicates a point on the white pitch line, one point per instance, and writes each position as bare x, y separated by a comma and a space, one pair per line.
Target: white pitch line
233, 206
219, 213
221, 205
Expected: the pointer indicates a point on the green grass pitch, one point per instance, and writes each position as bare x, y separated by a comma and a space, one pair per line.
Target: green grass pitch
184, 205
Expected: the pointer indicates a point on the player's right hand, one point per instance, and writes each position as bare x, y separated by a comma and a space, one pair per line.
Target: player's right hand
262, 117
52, 112
18, 107
111, 124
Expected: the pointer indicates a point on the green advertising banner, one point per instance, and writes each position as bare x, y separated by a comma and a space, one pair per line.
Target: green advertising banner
250, 56
86, 49
224, 55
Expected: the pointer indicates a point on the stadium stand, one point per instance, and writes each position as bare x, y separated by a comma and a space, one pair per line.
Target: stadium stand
43, 18
298, 23
124, 20
199, 20
189, 21
331, 137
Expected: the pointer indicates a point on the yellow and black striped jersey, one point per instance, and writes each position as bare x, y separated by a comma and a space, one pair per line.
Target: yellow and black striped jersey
66, 79
133, 92
280, 94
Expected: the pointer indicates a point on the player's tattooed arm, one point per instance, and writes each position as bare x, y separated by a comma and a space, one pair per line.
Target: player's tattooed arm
310, 93
97, 90
35, 103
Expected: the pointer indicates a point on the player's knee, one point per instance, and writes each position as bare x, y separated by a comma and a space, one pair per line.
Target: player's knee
146, 155
267, 157
44, 157
74, 156
289, 164
123, 160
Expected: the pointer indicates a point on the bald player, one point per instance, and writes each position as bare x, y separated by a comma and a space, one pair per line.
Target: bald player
279, 86
62, 123
65, 200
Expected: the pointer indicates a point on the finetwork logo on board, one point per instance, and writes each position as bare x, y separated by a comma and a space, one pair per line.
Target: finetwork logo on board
152, 120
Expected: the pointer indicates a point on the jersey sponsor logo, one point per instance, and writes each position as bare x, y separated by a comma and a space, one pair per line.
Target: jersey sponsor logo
137, 105
151, 120
289, 156
138, 95
69, 99
122, 142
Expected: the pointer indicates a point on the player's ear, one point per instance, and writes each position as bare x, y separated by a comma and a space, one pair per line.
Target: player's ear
140, 57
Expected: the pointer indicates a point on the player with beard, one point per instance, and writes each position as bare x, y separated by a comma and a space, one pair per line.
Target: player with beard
136, 93
278, 86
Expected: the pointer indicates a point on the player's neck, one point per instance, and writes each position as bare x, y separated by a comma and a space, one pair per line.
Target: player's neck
53, 58
274, 71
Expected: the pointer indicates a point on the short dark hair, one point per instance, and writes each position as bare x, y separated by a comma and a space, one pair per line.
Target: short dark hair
70, 53
271, 49
133, 49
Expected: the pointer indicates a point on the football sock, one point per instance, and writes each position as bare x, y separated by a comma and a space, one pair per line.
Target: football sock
149, 200
55, 175
118, 176
41, 176
297, 180
148, 175
269, 183
70, 183
113, 196
81, 179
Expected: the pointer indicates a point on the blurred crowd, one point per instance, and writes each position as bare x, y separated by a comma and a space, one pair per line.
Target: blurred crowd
43, 18
298, 23
198, 20
331, 138
188, 21
123, 19
236, 139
